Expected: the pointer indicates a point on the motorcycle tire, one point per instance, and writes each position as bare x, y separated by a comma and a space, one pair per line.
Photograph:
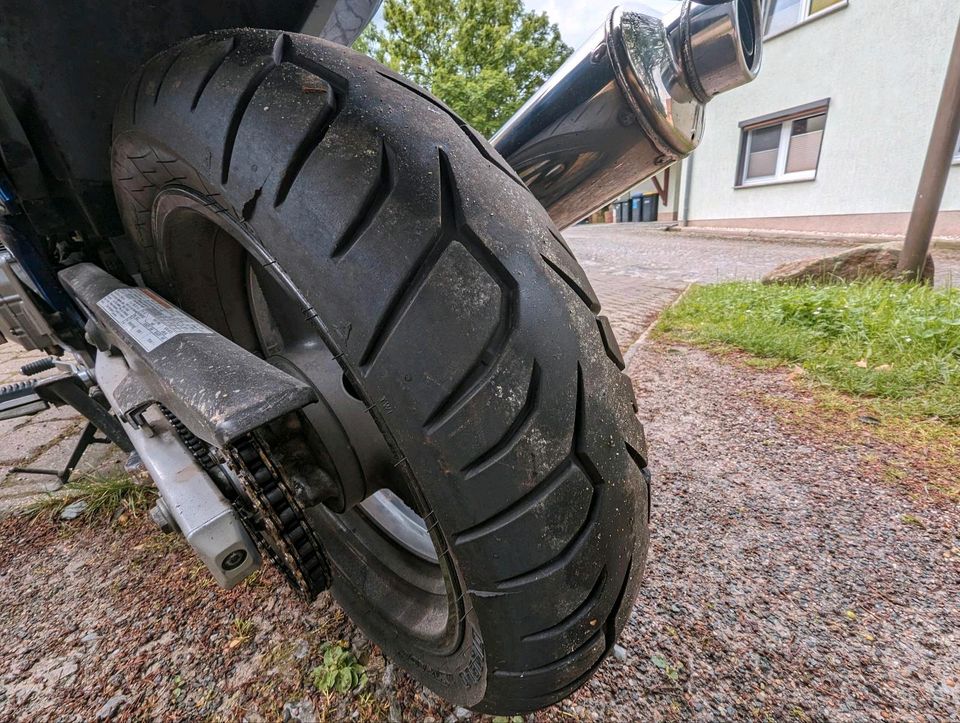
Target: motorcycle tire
462, 324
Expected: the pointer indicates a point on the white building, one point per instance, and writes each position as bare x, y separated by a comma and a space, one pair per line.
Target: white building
832, 134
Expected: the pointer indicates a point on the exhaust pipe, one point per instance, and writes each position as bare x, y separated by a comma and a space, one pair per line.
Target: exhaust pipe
629, 102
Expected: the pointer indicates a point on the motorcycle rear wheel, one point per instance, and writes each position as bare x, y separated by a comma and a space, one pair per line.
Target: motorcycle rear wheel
310, 204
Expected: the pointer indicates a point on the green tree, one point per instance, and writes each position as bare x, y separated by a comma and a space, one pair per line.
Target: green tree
483, 58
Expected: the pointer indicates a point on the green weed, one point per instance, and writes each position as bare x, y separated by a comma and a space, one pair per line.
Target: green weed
340, 671
671, 671
243, 631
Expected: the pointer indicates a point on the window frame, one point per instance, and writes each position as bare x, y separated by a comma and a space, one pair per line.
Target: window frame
785, 120
806, 17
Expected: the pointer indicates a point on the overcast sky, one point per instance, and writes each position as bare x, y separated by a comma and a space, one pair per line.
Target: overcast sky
577, 19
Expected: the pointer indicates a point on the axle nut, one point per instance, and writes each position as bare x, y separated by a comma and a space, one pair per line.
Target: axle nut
234, 560
160, 516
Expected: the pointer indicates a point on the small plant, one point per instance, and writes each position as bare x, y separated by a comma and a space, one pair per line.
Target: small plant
666, 667
370, 709
913, 520
103, 494
177, 683
243, 631
340, 671
255, 579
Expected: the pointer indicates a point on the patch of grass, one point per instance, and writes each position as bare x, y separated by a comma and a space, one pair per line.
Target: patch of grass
340, 671
104, 495
370, 708
243, 631
893, 343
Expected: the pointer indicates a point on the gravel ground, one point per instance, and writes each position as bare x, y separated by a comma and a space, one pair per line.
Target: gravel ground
787, 577
787, 580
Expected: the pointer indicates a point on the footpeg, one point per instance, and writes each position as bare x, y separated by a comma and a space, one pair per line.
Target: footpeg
74, 387
20, 400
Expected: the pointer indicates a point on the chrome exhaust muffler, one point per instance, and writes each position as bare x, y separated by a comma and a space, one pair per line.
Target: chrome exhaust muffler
629, 102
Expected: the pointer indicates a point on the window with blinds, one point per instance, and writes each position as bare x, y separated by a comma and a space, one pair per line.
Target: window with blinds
785, 14
782, 147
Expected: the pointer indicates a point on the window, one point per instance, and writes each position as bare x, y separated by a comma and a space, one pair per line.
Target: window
956, 152
782, 147
785, 14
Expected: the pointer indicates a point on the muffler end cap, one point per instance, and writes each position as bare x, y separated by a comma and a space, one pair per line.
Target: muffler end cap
722, 45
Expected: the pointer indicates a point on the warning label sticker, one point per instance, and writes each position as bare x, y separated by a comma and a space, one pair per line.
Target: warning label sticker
147, 318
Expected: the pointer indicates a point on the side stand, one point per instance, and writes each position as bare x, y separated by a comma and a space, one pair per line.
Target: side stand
87, 437
67, 389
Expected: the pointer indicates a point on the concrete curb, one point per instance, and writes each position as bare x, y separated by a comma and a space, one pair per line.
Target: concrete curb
640, 340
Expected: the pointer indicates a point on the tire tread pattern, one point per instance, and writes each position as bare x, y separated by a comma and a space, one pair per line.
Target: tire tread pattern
589, 573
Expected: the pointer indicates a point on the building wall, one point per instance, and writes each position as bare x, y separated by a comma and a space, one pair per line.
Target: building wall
882, 64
